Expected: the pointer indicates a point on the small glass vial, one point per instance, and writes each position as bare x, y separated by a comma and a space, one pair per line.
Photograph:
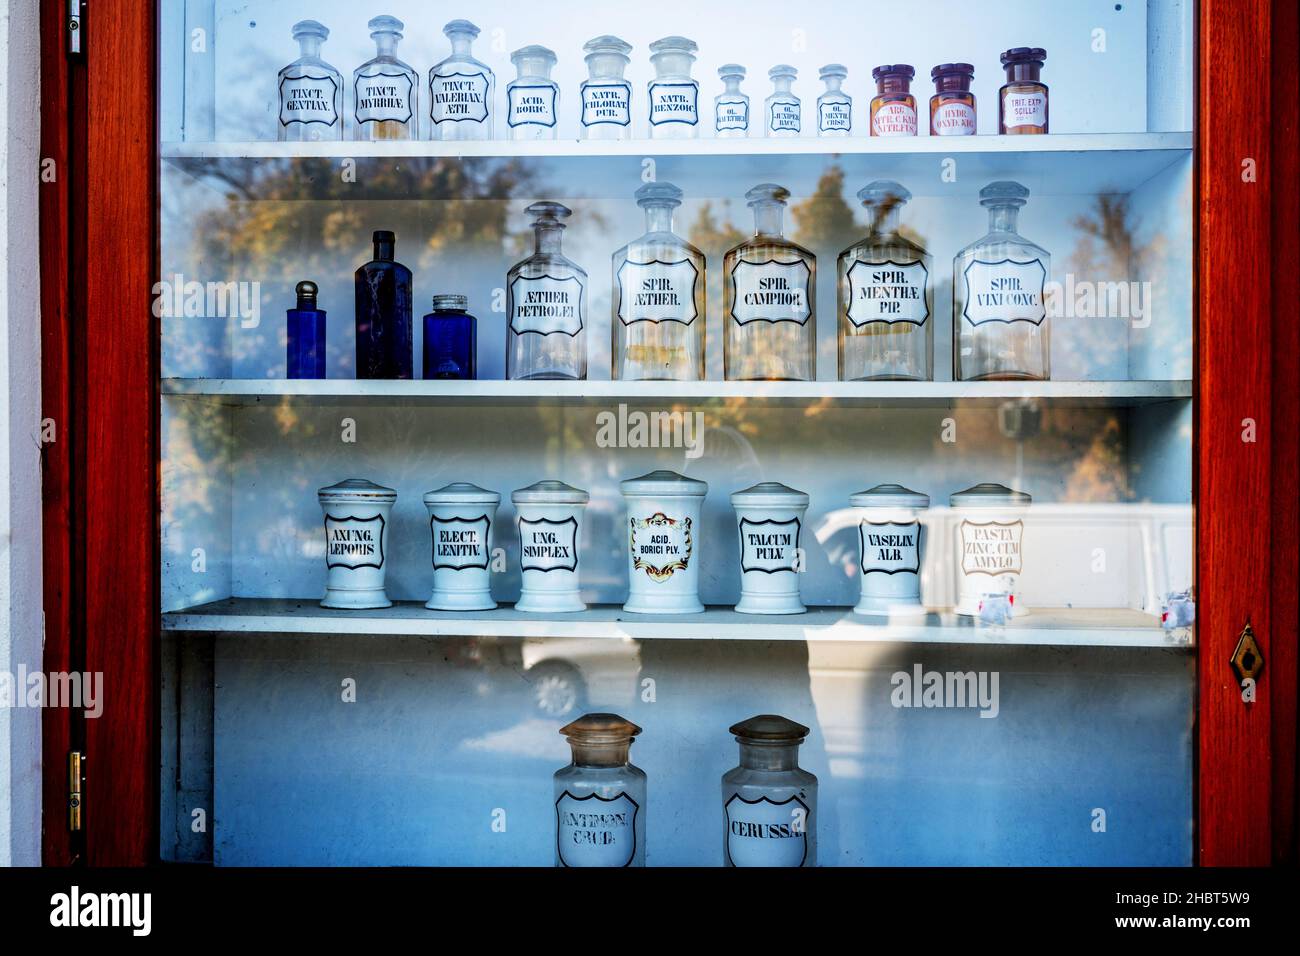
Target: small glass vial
663, 522
989, 548
834, 107
1022, 100
600, 796
891, 550
769, 299
731, 107
769, 804
305, 328
532, 98
1000, 325
546, 305
884, 292
893, 109
658, 303
357, 514
450, 339
674, 98
782, 107
385, 347
606, 96
311, 91
461, 90
549, 517
385, 91
952, 108
770, 518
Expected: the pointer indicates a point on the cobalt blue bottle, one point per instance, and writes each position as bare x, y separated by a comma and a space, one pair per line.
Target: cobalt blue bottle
450, 339
306, 328
384, 342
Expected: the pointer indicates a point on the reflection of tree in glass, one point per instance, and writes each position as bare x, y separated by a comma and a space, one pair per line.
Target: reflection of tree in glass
824, 221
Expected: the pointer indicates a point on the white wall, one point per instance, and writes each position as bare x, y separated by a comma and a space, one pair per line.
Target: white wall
21, 625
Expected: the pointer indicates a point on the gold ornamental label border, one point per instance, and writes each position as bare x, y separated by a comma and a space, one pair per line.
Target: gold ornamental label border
660, 520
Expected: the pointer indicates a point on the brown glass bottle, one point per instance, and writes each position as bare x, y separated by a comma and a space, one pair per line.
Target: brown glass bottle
952, 108
1022, 101
893, 109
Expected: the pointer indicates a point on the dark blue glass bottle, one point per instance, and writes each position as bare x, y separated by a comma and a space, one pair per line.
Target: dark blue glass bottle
306, 328
385, 346
450, 339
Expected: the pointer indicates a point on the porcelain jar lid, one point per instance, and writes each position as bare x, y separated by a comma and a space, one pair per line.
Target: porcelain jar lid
356, 491
769, 727
664, 484
549, 492
988, 494
770, 494
889, 495
461, 493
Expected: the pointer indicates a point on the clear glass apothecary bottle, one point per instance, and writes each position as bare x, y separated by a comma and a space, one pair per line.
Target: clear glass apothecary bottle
769, 299
834, 107
606, 96
311, 91
885, 330
658, 317
782, 107
769, 804
1001, 329
731, 107
461, 89
385, 91
532, 98
674, 98
600, 798
546, 305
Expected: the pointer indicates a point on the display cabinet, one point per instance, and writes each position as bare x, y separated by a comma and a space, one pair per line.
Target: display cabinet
1052, 367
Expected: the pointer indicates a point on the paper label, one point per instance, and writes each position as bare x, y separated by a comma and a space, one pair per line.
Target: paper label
732, 115
1008, 290
889, 547
308, 99
1024, 109
458, 97
953, 119
834, 116
383, 97
783, 117
530, 105
674, 103
595, 830
770, 291
888, 292
546, 545
606, 103
660, 545
546, 305
460, 543
991, 547
769, 546
764, 833
657, 291
354, 542
894, 119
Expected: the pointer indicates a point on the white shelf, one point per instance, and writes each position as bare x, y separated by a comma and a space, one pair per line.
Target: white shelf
1069, 627
495, 392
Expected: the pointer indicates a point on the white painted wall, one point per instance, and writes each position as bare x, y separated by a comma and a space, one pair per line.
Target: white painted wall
21, 622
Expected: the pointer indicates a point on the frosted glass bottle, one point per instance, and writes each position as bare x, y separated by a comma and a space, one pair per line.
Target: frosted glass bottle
731, 107
782, 109
834, 107
385, 91
674, 98
1000, 325
606, 96
658, 306
310, 91
769, 299
461, 90
769, 803
885, 331
532, 98
546, 305
600, 798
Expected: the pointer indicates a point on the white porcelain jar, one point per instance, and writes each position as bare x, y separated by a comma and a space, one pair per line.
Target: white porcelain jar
460, 530
549, 519
356, 543
663, 522
770, 519
989, 547
891, 549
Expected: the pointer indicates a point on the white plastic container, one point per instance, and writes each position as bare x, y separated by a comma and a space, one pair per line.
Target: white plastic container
549, 519
460, 529
989, 548
356, 543
663, 514
770, 518
891, 549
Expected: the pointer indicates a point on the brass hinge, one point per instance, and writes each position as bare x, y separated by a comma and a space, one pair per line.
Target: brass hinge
76, 43
76, 777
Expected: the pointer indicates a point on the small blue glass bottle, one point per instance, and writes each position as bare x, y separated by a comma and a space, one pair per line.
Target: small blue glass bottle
450, 339
385, 347
306, 328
